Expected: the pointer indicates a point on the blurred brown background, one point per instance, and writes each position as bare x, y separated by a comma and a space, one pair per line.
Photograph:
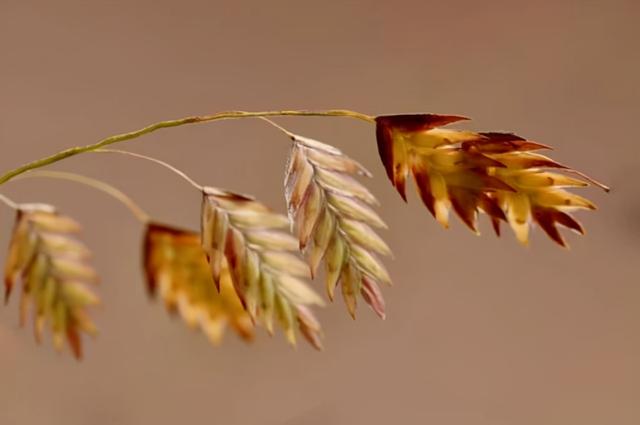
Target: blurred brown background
480, 330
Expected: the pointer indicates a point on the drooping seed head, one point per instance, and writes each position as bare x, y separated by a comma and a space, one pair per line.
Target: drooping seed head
266, 273
177, 271
52, 266
498, 174
333, 218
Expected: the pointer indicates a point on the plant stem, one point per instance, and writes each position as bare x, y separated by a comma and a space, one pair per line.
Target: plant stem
8, 202
175, 123
182, 174
140, 214
278, 127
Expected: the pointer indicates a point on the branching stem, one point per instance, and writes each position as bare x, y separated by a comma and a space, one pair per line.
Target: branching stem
177, 171
140, 214
279, 127
175, 123
8, 202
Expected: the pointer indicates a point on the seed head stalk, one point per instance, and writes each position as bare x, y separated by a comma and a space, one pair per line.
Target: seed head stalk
8, 202
166, 165
176, 123
135, 209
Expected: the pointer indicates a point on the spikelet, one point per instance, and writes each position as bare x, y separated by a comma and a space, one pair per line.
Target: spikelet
267, 275
52, 267
333, 219
176, 269
495, 173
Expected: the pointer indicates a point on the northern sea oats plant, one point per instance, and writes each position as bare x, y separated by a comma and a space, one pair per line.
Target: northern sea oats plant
244, 269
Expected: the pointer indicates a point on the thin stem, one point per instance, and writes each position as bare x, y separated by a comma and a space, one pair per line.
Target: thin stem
279, 127
176, 123
140, 214
157, 161
8, 202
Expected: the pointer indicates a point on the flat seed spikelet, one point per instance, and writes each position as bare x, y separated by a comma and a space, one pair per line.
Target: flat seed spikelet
267, 274
176, 270
333, 220
52, 266
499, 174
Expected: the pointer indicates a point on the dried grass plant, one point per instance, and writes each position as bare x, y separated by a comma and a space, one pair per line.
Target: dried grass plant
244, 269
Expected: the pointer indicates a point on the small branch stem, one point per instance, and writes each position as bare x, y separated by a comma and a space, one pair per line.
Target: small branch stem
8, 202
157, 161
140, 214
176, 123
279, 127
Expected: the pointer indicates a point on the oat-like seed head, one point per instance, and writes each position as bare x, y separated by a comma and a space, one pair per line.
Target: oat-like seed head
267, 274
177, 271
333, 219
499, 174
52, 266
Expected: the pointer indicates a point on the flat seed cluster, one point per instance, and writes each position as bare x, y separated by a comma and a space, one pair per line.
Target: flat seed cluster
499, 174
52, 266
177, 271
333, 219
266, 273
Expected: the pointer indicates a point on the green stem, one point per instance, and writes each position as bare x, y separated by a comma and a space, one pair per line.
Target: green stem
174, 123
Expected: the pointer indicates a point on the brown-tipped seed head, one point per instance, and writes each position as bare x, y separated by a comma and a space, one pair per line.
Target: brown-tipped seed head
495, 173
52, 267
177, 271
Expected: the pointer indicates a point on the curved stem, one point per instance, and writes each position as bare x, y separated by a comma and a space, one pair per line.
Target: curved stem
279, 127
8, 202
140, 214
176, 123
157, 161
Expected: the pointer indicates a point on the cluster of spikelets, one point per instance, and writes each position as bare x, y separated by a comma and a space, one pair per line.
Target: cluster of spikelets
245, 237
52, 265
499, 174
176, 268
333, 219
244, 270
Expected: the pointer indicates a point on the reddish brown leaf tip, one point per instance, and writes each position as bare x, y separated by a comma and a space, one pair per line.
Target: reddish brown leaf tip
372, 295
386, 128
401, 187
417, 122
75, 343
492, 142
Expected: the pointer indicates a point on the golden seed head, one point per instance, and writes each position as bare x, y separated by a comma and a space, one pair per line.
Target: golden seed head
177, 271
53, 268
499, 174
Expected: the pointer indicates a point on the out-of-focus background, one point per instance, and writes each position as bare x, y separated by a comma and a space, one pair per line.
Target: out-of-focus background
480, 330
